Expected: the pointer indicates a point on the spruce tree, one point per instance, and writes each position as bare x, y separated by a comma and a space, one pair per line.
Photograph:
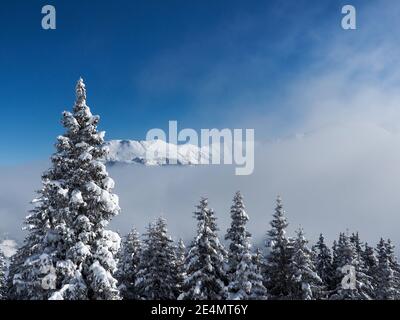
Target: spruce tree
323, 262
180, 264
3, 282
384, 275
243, 274
394, 265
307, 283
157, 273
24, 278
206, 278
357, 245
370, 258
360, 262
278, 265
129, 258
335, 266
13, 269
237, 234
371, 266
69, 253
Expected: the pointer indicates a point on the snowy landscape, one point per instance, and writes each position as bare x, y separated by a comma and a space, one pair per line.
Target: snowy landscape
70, 254
207, 151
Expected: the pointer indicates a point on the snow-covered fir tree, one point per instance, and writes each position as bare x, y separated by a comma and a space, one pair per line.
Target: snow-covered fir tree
237, 234
307, 283
180, 265
323, 262
205, 271
370, 258
352, 283
361, 266
278, 264
129, 258
3, 282
22, 282
394, 264
384, 275
73, 252
371, 266
335, 265
157, 271
245, 279
357, 245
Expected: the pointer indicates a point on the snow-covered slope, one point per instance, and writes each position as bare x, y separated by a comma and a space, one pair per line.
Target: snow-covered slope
154, 153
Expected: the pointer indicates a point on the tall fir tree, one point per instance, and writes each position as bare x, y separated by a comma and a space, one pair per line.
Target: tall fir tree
22, 283
334, 254
307, 283
69, 253
237, 234
370, 258
358, 247
336, 276
394, 265
3, 282
361, 265
180, 264
243, 274
157, 271
129, 258
205, 263
323, 263
371, 266
384, 274
278, 265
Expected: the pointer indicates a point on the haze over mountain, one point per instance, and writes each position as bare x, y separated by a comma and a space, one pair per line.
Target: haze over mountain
331, 180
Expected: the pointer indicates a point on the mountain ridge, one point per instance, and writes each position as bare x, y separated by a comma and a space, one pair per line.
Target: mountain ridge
155, 153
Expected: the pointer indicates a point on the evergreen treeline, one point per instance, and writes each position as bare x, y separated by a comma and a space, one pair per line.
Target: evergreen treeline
289, 268
69, 254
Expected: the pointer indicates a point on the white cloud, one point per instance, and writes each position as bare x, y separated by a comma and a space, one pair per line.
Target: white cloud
337, 178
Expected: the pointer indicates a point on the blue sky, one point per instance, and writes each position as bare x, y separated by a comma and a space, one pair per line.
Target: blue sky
203, 63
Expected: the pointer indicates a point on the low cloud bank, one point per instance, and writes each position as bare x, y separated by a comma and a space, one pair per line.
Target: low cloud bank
335, 179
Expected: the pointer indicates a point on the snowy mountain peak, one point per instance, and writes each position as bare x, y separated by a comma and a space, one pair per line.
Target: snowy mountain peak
155, 153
